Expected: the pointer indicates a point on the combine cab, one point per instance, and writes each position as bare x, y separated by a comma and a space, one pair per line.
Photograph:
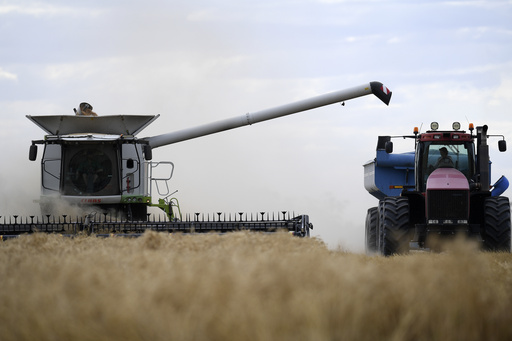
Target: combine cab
98, 163
109, 168
440, 190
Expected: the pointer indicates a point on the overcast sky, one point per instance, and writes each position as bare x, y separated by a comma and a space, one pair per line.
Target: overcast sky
199, 61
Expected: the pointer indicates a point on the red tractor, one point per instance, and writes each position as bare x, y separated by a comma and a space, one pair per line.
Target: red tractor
442, 189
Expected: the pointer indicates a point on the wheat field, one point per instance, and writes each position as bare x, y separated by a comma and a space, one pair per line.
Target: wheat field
246, 286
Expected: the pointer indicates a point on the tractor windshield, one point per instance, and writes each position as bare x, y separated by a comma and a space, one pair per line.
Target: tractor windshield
433, 155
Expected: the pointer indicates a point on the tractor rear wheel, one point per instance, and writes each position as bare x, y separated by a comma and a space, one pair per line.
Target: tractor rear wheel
395, 226
496, 231
372, 220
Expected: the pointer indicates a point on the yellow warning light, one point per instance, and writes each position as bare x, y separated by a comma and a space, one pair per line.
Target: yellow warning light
416, 130
471, 127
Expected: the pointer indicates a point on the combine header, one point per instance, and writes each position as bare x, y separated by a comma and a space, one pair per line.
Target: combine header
98, 164
105, 225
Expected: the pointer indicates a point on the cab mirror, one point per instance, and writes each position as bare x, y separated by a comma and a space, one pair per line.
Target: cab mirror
32, 153
148, 152
502, 145
389, 147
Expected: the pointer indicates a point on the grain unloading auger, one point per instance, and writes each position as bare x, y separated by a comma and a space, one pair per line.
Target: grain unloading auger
97, 163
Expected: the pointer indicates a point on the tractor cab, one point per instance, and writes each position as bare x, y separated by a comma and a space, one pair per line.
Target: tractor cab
444, 149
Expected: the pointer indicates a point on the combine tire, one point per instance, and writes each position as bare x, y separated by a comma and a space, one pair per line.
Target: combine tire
496, 232
395, 226
372, 220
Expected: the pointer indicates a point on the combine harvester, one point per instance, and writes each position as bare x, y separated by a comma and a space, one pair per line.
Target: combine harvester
98, 163
441, 189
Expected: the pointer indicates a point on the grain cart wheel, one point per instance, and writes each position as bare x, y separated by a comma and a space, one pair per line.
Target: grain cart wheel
371, 229
380, 221
395, 226
496, 232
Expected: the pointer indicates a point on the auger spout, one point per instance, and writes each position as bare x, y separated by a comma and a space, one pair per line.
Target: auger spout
376, 88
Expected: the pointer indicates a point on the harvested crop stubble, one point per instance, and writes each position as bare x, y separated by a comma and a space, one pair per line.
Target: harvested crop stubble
245, 286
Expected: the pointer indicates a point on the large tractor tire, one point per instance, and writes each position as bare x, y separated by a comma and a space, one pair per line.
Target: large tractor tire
380, 221
395, 226
496, 231
372, 220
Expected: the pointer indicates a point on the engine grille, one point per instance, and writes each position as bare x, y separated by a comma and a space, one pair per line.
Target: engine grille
447, 205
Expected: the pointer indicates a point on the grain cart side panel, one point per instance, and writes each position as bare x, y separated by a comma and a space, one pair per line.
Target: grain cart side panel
388, 174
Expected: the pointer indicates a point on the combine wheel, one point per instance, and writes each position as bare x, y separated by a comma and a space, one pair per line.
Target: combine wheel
496, 232
371, 229
395, 226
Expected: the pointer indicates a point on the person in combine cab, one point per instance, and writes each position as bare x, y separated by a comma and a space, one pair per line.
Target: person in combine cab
444, 161
85, 109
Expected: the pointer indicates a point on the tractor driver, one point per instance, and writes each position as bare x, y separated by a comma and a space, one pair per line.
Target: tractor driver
444, 161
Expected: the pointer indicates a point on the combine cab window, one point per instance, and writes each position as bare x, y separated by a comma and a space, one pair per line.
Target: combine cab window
438, 155
90, 170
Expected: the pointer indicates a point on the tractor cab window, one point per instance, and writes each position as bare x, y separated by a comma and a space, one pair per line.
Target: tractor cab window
447, 155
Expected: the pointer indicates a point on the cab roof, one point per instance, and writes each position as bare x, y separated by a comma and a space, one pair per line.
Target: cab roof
454, 136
